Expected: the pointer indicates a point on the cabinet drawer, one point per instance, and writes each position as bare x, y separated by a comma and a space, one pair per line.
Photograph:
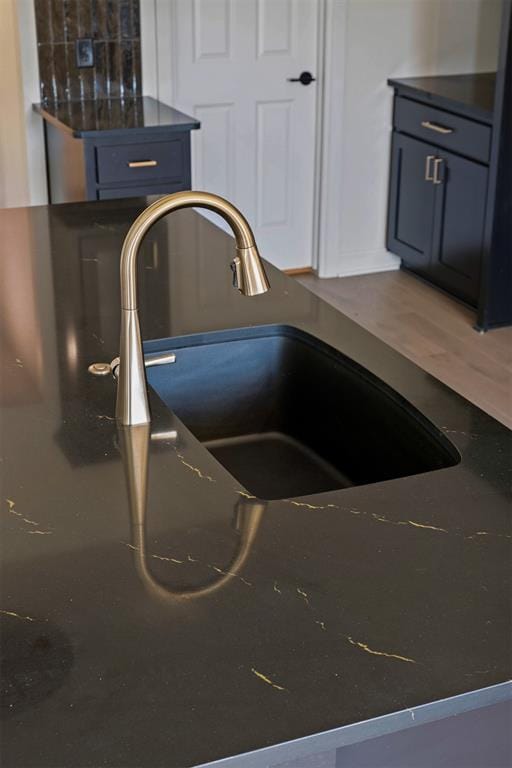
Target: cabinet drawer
141, 190
147, 161
459, 134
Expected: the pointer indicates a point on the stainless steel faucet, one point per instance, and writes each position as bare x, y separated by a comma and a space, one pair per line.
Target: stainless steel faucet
248, 276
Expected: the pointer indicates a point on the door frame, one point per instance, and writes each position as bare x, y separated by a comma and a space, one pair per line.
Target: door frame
157, 51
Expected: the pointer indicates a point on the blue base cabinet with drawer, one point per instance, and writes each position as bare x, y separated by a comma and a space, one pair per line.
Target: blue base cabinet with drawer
107, 149
437, 196
125, 168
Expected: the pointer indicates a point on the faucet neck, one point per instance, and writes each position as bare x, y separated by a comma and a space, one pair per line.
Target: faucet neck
132, 405
242, 231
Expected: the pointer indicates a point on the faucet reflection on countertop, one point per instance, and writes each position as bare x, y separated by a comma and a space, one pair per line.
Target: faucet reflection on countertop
134, 443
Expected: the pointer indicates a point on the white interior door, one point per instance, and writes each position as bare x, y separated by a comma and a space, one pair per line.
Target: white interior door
231, 60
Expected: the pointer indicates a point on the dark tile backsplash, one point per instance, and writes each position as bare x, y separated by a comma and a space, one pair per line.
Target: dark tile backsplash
113, 25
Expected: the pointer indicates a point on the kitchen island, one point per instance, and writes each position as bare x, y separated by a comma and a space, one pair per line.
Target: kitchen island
218, 627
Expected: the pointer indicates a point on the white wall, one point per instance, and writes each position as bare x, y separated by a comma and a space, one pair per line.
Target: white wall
34, 134
22, 160
468, 34
369, 41
13, 161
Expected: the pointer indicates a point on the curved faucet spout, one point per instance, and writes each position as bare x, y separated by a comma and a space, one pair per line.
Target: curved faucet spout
248, 276
254, 280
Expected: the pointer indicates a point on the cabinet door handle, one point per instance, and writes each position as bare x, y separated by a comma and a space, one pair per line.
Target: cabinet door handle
435, 127
142, 164
437, 165
428, 163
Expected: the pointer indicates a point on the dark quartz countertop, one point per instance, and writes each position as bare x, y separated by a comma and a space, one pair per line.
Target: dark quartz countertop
471, 95
98, 117
352, 613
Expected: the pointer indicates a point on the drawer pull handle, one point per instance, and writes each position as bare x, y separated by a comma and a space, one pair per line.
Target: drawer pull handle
428, 172
438, 162
437, 128
142, 164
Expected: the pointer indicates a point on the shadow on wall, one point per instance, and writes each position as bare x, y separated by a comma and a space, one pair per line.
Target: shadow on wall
468, 36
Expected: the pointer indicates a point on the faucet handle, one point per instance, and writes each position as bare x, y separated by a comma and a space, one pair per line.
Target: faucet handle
236, 268
159, 358
114, 367
153, 358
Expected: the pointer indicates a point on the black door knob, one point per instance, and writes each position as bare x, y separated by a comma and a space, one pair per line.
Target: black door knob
305, 78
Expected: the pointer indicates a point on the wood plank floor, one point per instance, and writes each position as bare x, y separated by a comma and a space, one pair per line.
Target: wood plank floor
432, 330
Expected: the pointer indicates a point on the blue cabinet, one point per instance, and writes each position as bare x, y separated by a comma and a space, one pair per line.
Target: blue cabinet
437, 214
105, 149
438, 194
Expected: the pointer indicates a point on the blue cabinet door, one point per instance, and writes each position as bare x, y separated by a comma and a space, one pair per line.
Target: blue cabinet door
411, 201
459, 218
436, 215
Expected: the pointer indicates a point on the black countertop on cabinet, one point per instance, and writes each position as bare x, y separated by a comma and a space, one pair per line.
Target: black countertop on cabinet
471, 95
352, 613
97, 117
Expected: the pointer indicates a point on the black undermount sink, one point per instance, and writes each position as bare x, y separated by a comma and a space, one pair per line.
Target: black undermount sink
289, 416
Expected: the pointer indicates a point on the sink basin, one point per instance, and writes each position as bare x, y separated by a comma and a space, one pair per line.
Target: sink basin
289, 416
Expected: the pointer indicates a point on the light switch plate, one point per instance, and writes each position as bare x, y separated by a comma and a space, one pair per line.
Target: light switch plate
84, 52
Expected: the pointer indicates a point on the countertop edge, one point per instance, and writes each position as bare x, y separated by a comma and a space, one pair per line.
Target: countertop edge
442, 102
40, 110
368, 729
110, 132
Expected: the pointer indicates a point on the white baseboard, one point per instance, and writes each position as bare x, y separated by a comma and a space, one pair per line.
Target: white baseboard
362, 263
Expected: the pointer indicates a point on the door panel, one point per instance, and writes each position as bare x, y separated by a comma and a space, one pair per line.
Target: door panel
256, 146
213, 160
459, 225
272, 152
411, 208
274, 27
211, 29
